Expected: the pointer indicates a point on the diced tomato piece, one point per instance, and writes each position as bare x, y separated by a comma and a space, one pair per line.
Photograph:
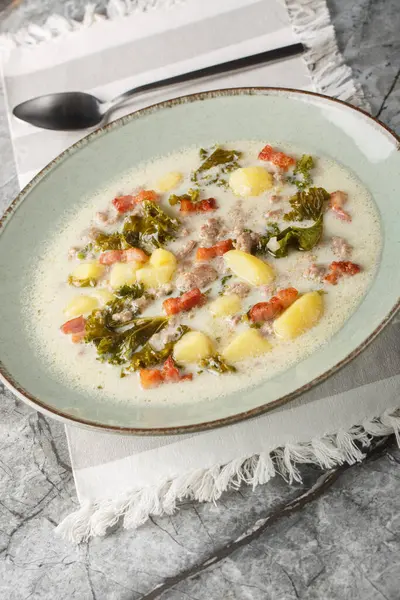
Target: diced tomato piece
217, 250
134, 254
187, 206
281, 160
172, 306
265, 311
149, 195
124, 203
110, 257
150, 378
192, 298
287, 297
339, 268
170, 371
76, 325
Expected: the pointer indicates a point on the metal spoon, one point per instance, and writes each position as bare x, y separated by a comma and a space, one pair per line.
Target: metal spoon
69, 111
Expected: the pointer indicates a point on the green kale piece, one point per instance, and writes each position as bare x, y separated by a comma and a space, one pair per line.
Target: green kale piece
152, 230
148, 357
192, 194
215, 164
118, 347
307, 205
109, 241
301, 174
299, 238
217, 364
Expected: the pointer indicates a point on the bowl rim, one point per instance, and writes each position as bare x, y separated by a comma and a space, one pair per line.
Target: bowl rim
66, 418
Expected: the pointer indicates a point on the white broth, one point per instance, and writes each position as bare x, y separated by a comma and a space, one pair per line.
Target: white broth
76, 363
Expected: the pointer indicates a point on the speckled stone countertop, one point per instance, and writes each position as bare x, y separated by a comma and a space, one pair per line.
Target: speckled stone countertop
334, 537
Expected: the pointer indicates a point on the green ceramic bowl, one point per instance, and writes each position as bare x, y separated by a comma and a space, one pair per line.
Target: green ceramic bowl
317, 123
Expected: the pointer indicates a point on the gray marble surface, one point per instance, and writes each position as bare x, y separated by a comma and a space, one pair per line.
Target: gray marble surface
334, 537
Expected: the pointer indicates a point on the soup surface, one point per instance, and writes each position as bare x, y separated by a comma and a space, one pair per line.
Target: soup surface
202, 273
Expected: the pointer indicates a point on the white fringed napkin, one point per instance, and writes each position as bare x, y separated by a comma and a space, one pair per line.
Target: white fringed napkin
132, 477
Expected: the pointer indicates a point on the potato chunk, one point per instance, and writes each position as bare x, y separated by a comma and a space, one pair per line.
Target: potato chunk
162, 258
169, 181
154, 276
80, 305
90, 270
249, 267
224, 306
250, 181
249, 343
300, 316
122, 274
192, 347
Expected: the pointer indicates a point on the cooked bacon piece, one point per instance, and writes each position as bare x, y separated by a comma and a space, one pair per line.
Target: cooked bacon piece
266, 311
279, 159
75, 326
187, 301
217, 250
337, 201
339, 268
169, 373
187, 206
131, 254
287, 296
76, 338
172, 306
125, 203
150, 378
149, 195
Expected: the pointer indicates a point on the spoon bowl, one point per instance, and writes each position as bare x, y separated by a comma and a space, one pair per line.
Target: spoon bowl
66, 111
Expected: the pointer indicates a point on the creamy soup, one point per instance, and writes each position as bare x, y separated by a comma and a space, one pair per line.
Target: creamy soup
202, 273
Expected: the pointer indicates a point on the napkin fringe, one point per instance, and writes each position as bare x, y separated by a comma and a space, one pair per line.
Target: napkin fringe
330, 75
207, 485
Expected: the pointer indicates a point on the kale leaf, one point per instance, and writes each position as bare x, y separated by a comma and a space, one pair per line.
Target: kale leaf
307, 205
301, 174
152, 230
118, 347
109, 241
149, 357
215, 164
299, 238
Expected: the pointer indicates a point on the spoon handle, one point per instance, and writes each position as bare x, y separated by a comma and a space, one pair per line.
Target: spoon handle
231, 65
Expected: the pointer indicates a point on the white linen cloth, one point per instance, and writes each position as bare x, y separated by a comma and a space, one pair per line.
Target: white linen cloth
132, 476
